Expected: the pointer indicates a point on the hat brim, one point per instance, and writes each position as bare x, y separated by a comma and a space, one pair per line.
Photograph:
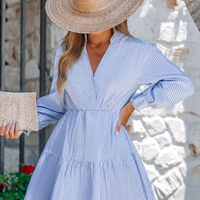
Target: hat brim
65, 16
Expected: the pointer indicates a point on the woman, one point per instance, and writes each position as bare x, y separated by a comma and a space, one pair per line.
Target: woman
98, 68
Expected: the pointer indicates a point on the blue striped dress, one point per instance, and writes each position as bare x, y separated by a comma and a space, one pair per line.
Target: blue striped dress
83, 159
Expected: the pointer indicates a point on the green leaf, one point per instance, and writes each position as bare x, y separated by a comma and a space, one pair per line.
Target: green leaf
15, 185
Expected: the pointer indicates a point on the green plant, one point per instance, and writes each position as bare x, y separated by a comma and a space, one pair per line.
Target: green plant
13, 185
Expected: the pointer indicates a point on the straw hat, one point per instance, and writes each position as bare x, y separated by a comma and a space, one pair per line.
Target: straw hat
89, 16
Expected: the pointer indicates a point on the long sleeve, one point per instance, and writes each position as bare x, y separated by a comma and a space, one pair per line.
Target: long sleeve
170, 84
50, 107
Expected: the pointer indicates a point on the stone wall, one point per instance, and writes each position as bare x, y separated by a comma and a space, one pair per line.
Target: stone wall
167, 139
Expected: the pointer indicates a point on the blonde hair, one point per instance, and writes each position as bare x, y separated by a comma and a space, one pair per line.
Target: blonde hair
74, 44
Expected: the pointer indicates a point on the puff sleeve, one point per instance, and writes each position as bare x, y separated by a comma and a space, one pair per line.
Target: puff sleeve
49, 107
170, 84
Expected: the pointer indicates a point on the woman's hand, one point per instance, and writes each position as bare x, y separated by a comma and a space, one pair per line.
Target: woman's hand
10, 130
125, 113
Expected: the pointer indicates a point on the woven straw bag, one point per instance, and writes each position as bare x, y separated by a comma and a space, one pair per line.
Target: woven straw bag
21, 106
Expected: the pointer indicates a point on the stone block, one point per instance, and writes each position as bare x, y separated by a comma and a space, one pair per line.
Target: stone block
29, 87
151, 171
171, 32
35, 43
163, 140
150, 149
163, 49
137, 129
12, 79
182, 31
16, 52
154, 125
183, 11
13, 13
173, 110
143, 112
12, 30
10, 53
31, 9
179, 194
138, 147
177, 128
166, 185
144, 32
31, 70
30, 26
167, 32
179, 53
172, 16
172, 4
12, 2
37, 21
171, 156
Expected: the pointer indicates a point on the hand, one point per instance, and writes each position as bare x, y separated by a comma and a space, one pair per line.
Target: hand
10, 130
125, 113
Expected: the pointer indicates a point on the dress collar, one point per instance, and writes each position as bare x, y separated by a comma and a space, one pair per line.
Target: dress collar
115, 37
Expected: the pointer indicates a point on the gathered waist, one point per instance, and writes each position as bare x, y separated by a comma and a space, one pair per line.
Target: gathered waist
93, 110
88, 134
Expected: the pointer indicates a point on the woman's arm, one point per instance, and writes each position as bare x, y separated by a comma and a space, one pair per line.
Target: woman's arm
170, 84
50, 107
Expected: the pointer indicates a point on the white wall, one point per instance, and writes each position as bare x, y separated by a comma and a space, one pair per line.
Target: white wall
168, 139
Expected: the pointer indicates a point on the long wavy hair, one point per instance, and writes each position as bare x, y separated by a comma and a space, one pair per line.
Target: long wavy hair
73, 44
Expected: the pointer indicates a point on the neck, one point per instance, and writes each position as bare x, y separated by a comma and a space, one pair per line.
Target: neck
100, 37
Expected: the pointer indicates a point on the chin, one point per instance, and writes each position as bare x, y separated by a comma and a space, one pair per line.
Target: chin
97, 33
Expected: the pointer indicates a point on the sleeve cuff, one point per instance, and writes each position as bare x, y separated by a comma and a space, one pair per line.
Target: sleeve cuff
27, 132
139, 102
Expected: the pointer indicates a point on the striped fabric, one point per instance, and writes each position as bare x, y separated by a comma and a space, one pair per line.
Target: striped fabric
83, 159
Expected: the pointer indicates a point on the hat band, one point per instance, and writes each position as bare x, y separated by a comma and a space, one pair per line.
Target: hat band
89, 5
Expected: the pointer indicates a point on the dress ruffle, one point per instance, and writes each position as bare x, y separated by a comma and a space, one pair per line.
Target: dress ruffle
117, 179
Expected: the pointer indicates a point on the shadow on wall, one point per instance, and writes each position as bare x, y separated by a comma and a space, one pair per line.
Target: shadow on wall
168, 139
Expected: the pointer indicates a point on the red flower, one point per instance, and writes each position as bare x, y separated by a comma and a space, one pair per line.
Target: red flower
1, 186
28, 169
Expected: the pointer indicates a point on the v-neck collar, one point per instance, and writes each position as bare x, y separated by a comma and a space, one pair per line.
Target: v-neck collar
117, 36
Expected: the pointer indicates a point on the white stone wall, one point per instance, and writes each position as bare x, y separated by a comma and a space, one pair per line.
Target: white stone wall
168, 139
